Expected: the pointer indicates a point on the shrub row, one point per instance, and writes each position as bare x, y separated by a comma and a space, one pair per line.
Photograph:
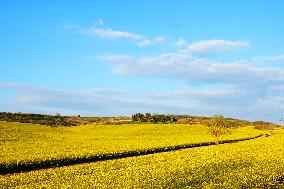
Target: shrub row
155, 118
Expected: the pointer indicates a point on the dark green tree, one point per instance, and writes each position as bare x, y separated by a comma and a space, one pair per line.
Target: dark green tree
138, 117
148, 118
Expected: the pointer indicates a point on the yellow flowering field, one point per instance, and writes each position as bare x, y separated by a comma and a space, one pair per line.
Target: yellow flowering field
28, 143
257, 163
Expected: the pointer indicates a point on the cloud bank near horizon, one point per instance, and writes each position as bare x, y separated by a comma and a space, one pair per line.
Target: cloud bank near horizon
230, 100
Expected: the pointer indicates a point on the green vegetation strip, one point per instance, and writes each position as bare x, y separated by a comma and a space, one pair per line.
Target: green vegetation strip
10, 168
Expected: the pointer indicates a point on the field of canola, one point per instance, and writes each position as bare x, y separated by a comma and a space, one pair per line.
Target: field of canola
34, 143
248, 164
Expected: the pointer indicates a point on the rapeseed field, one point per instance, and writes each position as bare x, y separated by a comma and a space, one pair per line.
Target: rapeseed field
247, 164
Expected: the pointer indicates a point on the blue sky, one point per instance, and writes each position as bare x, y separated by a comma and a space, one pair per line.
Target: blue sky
104, 58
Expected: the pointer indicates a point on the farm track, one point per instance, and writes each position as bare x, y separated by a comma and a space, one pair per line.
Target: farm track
32, 166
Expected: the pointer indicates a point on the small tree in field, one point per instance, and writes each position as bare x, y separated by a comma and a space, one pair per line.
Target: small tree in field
218, 126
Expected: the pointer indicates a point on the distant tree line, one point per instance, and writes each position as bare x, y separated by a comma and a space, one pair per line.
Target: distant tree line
58, 120
155, 118
37, 119
262, 125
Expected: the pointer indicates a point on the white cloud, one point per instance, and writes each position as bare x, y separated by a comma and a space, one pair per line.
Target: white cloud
104, 91
107, 33
8, 84
180, 42
184, 65
97, 30
206, 72
216, 46
116, 58
144, 43
190, 69
160, 39
261, 59
214, 91
112, 34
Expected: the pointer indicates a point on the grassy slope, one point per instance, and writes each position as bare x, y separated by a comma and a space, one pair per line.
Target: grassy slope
32, 143
248, 164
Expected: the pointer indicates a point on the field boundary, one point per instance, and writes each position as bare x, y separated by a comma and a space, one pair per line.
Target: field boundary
11, 168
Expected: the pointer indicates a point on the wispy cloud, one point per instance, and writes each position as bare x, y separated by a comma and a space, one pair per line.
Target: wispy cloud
212, 92
116, 58
216, 46
186, 66
180, 42
97, 30
160, 39
195, 70
112, 34
98, 101
276, 58
144, 43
